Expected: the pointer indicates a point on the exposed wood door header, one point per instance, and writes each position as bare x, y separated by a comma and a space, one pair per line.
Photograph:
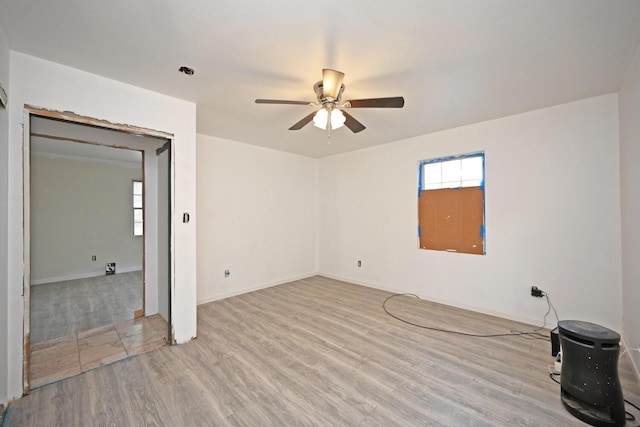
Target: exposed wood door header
72, 117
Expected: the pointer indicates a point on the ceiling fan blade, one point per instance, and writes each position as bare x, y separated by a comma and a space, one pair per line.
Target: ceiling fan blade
331, 83
352, 123
393, 102
302, 123
279, 101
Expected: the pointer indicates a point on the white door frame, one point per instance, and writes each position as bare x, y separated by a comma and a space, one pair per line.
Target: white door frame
82, 120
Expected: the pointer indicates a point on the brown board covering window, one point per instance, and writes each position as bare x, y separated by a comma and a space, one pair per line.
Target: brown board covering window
452, 219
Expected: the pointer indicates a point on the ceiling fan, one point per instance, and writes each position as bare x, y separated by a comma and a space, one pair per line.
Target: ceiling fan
329, 97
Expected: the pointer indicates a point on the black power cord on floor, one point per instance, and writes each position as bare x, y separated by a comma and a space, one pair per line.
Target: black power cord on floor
533, 334
635, 406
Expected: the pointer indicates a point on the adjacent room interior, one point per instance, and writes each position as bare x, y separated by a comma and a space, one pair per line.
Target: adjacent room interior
351, 216
86, 194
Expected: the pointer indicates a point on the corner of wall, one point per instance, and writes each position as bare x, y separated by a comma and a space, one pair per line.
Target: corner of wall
4, 196
317, 216
629, 131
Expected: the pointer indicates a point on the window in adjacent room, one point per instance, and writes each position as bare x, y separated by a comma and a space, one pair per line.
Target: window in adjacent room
138, 228
451, 204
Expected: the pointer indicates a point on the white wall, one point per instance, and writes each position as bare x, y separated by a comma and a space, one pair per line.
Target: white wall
552, 216
162, 224
257, 217
48, 85
4, 168
81, 208
154, 285
630, 204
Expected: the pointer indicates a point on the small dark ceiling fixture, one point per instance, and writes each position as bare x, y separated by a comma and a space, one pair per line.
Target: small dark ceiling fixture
186, 70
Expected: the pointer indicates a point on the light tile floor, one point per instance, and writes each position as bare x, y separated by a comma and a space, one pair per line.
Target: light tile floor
68, 356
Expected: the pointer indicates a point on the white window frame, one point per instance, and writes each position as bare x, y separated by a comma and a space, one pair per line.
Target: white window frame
137, 206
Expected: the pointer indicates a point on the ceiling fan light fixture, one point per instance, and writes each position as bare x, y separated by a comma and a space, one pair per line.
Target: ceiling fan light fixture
329, 98
331, 83
337, 119
321, 118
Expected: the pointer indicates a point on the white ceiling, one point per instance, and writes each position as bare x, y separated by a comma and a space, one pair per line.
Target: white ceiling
456, 62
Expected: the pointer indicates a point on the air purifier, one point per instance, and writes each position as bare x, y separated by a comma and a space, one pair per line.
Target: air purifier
590, 386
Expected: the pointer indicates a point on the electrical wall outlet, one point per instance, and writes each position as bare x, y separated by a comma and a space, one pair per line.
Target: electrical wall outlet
93, 258
359, 263
227, 273
535, 292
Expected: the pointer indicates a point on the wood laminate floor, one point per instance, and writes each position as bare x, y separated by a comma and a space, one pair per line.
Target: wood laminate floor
65, 308
319, 352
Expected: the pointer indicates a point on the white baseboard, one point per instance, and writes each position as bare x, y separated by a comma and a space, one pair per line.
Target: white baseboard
509, 316
82, 275
252, 289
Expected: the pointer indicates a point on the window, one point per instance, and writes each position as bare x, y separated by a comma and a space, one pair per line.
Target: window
451, 204
138, 209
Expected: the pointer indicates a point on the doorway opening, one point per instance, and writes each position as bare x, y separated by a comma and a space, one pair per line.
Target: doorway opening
96, 288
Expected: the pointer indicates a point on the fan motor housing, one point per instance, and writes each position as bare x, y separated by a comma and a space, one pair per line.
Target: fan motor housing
317, 88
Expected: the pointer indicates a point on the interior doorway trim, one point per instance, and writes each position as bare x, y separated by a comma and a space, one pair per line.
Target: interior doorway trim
74, 118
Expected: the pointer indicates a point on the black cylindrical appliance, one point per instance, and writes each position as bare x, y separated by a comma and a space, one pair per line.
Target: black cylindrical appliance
590, 386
